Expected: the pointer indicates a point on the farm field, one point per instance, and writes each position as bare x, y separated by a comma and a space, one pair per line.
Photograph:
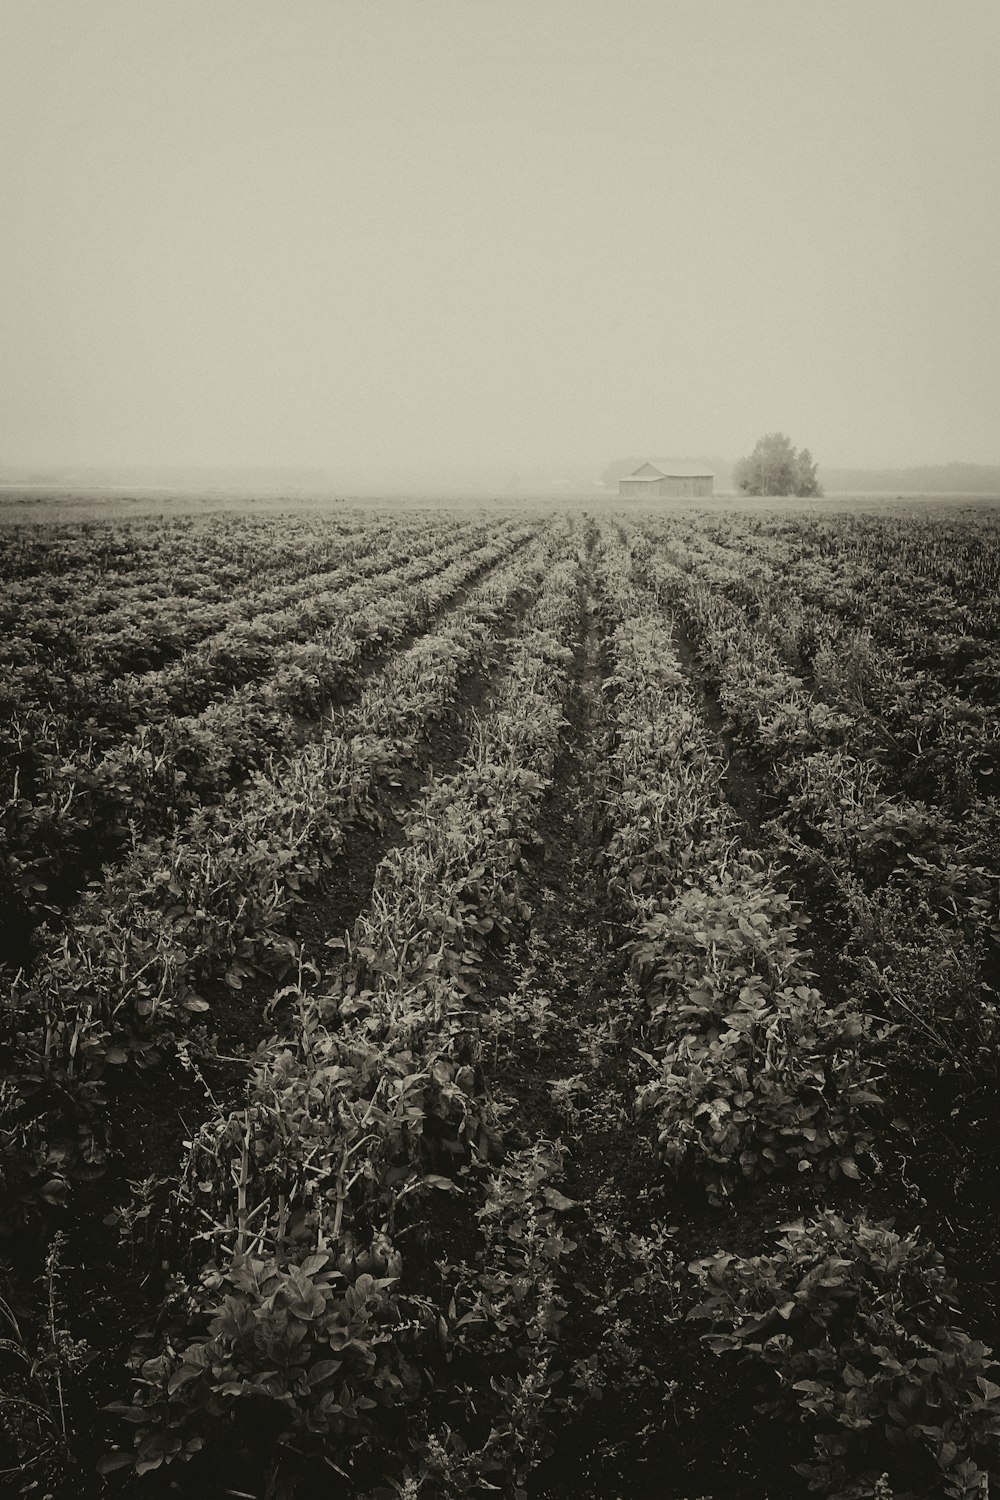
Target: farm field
501, 1002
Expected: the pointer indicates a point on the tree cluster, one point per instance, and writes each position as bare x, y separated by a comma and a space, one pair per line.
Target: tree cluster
775, 468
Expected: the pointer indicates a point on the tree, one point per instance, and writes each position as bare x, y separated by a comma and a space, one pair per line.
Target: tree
774, 468
806, 483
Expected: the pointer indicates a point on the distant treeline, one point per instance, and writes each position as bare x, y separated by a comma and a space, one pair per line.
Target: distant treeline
945, 479
173, 476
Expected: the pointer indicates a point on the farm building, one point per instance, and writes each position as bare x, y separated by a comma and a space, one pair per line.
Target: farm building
664, 476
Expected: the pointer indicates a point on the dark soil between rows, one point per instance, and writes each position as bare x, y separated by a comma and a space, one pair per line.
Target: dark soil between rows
660, 1418
941, 1158
107, 842
113, 1282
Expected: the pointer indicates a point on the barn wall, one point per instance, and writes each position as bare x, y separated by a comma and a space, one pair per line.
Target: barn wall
667, 487
686, 486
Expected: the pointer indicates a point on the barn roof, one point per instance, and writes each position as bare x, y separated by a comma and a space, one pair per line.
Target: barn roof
672, 468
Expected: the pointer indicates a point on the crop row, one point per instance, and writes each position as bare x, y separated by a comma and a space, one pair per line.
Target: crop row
71, 808
904, 896
928, 653
849, 1324
212, 899
80, 556
356, 1274
910, 887
752, 1070
309, 1327
123, 622
909, 563
951, 640
246, 647
930, 741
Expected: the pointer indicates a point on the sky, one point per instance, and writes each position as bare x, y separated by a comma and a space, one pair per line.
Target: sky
403, 236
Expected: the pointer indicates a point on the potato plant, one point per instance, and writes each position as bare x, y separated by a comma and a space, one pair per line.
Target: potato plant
429, 933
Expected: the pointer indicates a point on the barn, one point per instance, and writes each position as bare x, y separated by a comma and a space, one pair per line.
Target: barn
665, 476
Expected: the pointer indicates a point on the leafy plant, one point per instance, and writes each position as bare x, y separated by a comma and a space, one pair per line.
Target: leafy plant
855, 1321
753, 1070
323, 1343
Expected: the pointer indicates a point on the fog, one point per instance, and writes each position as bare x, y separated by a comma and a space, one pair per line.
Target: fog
396, 239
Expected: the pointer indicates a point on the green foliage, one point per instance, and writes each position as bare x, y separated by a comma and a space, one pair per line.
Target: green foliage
323, 1344
918, 966
505, 1315
754, 1071
855, 1321
775, 468
750, 1071
372, 1096
178, 758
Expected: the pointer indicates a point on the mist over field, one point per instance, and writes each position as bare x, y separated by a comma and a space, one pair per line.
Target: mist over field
492, 248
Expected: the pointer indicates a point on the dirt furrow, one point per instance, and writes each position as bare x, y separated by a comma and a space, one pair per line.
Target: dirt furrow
211, 1072
635, 1403
342, 893
566, 1078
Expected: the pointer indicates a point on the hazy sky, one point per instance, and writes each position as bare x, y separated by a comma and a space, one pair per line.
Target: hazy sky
414, 233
